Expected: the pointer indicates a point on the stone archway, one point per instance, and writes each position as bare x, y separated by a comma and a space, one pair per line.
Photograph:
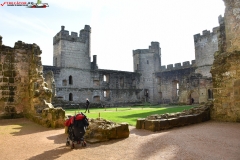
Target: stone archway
193, 97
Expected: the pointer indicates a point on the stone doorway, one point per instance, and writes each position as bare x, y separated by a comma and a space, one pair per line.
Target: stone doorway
193, 97
146, 95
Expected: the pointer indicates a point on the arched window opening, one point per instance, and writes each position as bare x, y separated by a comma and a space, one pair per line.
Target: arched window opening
147, 62
175, 89
106, 78
70, 97
70, 80
105, 93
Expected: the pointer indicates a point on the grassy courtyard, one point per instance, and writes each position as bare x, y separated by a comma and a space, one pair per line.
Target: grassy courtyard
128, 114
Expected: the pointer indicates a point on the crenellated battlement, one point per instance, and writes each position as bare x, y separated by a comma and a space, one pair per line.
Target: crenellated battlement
153, 48
177, 66
64, 35
140, 51
205, 34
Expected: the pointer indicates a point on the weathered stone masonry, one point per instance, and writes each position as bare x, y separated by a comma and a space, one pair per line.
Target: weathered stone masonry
226, 68
22, 87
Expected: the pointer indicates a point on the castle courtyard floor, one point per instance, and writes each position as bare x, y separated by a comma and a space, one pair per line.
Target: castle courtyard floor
22, 139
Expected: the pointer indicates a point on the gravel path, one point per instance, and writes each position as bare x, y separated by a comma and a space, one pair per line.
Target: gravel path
21, 139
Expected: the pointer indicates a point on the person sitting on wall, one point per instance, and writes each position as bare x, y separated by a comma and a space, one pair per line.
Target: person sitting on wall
87, 105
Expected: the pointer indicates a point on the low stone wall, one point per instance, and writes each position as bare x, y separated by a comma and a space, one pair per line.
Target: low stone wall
166, 121
100, 130
50, 117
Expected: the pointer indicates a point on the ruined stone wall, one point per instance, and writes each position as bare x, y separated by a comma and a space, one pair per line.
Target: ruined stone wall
49, 79
226, 83
167, 83
205, 47
72, 81
123, 87
190, 85
23, 90
22, 87
101, 87
197, 87
226, 68
14, 81
232, 21
71, 50
147, 62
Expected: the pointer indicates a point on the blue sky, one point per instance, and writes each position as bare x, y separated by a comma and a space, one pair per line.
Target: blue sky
118, 27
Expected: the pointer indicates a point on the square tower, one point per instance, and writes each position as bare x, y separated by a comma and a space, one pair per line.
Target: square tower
72, 50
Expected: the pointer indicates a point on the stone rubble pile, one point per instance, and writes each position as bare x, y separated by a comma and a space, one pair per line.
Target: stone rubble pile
100, 130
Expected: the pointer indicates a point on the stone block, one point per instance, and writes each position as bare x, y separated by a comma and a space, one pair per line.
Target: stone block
155, 125
11, 99
5, 80
122, 130
4, 87
140, 123
205, 116
198, 118
11, 80
112, 133
191, 119
173, 122
182, 120
49, 116
152, 125
164, 124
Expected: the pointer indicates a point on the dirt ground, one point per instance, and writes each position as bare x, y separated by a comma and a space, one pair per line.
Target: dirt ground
22, 139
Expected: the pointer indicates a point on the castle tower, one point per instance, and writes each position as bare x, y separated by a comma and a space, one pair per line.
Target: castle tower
205, 47
147, 62
72, 51
145, 59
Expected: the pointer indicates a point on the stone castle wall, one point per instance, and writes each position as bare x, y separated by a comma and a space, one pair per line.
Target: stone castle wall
147, 63
101, 87
205, 47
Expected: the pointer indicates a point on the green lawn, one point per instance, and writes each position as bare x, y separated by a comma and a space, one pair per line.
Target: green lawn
127, 114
